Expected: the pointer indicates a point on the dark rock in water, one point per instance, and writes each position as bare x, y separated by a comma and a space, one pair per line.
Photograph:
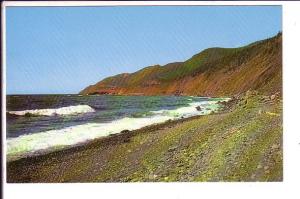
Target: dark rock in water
125, 131
29, 115
198, 108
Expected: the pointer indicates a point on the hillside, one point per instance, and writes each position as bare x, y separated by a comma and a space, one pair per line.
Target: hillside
212, 72
240, 142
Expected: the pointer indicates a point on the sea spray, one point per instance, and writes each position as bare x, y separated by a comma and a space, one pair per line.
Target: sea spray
28, 144
69, 110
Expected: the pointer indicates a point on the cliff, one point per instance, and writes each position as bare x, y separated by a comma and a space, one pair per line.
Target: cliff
212, 72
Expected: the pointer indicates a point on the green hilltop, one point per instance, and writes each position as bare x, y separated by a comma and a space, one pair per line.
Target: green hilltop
212, 72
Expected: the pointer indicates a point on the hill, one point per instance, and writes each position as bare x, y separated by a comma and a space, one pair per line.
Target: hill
240, 142
212, 72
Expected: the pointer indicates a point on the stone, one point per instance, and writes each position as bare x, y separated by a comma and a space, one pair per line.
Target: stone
198, 108
152, 176
172, 149
272, 97
259, 166
125, 131
275, 146
126, 140
267, 171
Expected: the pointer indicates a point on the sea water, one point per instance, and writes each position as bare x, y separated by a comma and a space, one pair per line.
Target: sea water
38, 123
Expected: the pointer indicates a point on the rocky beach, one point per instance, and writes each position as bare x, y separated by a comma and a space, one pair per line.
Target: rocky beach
242, 142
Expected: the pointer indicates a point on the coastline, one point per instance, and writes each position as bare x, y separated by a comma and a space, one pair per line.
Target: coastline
182, 150
49, 140
109, 138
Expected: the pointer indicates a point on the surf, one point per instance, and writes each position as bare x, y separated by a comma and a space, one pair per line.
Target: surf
69, 110
51, 140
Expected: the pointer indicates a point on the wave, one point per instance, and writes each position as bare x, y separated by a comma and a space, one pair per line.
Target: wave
69, 110
194, 108
27, 145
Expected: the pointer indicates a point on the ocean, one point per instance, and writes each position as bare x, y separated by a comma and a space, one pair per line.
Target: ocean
43, 123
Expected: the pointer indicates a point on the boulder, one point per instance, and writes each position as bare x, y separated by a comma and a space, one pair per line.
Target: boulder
198, 108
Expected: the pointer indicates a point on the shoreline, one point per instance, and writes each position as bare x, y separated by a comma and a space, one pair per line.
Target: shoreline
146, 124
125, 134
243, 142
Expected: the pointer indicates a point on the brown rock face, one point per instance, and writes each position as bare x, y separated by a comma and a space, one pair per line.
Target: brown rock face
213, 72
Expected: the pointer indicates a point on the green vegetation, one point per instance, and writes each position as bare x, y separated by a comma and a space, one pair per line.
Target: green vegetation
241, 143
214, 71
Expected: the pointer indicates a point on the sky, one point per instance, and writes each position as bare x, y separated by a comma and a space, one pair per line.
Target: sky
61, 50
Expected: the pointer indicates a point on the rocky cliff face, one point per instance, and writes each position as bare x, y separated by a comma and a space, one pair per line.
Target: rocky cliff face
213, 72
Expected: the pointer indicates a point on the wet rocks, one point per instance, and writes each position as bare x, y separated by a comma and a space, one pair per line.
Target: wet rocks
125, 131
198, 108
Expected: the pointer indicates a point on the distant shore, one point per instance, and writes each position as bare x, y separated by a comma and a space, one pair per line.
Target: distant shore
227, 146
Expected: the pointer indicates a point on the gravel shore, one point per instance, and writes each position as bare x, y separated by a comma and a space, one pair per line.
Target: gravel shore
241, 143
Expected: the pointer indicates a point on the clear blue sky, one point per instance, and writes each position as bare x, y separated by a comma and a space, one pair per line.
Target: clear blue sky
64, 49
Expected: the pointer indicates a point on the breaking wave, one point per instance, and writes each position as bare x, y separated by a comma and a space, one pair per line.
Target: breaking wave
27, 145
69, 110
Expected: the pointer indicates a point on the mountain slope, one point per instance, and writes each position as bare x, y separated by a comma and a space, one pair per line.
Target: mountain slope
213, 72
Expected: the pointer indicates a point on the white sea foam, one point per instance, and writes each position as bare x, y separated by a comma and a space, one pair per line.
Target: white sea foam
26, 145
206, 108
69, 110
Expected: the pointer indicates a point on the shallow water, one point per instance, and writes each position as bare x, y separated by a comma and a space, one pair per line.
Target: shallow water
49, 122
